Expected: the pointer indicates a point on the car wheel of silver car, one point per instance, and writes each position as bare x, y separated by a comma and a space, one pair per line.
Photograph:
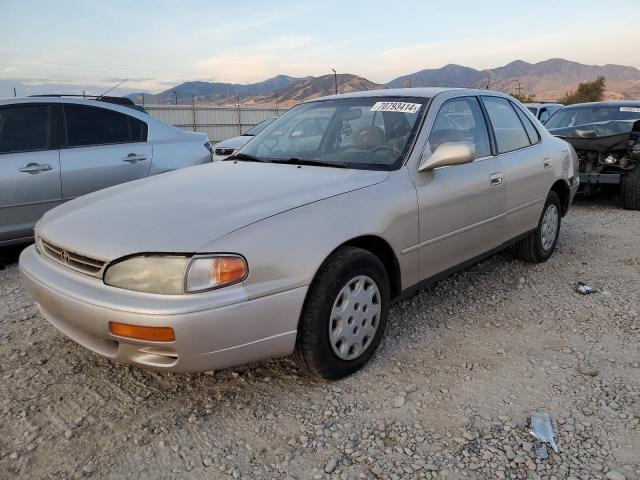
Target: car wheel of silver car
540, 244
344, 316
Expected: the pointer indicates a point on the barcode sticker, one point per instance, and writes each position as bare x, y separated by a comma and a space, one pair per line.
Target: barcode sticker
404, 107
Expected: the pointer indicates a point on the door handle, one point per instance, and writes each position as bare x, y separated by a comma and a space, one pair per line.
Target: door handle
34, 168
495, 179
546, 162
133, 158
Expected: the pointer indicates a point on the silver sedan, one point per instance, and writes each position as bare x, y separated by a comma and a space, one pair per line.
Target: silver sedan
56, 148
300, 241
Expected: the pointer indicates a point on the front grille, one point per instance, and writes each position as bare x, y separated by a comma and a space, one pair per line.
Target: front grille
72, 260
224, 151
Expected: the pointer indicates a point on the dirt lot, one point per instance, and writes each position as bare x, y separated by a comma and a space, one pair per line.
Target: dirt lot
448, 395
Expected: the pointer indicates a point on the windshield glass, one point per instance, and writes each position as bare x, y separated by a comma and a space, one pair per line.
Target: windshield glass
358, 132
259, 127
572, 117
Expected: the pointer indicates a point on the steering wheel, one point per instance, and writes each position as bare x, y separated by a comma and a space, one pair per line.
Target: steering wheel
381, 148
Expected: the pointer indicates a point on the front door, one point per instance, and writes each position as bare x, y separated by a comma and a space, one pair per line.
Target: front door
29, 169
101, 148
461, 207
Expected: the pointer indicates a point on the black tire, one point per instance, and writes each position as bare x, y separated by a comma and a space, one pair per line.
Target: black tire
530, 249
630, 189
313, 352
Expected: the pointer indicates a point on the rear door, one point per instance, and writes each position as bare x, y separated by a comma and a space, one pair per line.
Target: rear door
101, 148
29, 168
527, 166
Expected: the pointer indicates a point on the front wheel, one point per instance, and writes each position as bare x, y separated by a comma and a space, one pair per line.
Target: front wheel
344, 316
538, 247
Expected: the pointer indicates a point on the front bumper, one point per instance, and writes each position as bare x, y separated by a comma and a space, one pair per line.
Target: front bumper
213, 330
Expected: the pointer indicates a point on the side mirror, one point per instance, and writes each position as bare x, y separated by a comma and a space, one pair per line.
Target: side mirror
447, 154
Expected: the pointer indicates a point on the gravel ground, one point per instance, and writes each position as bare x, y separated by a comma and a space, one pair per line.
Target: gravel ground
449, 394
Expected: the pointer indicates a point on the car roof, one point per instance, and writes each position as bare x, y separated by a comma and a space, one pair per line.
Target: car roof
619, 103
127, 109
421, 92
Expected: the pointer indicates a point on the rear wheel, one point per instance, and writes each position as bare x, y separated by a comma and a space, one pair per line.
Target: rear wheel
538, 247
630, 192
344, 316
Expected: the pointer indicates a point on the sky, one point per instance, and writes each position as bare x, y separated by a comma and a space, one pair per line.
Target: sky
158, 44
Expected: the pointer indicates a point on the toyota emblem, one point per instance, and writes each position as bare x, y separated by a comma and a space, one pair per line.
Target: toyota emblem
64, 256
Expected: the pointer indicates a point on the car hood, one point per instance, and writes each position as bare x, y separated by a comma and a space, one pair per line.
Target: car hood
183, 211
601, 136
235, 142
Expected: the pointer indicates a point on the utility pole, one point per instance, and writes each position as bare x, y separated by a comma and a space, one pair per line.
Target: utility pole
519, 89
142, 97
193, 109
239, 115
176, 94
14, 92
489, 80
335, 79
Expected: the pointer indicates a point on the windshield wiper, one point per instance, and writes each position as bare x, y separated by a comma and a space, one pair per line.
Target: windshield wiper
313, 163
245, 157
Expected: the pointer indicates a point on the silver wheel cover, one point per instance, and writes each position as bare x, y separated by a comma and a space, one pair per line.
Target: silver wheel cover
355, 317
549, 228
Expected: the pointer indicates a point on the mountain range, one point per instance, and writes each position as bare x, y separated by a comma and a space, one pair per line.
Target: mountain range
547, 80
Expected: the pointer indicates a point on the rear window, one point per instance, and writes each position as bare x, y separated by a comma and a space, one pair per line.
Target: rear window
96, 126
24, 128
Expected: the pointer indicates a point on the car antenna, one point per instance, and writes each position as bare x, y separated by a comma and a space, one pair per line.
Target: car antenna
112, 88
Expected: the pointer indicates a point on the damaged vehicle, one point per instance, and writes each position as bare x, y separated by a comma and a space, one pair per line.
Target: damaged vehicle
606, 136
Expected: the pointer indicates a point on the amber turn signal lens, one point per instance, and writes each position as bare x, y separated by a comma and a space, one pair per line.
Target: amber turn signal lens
139, 332
228, 269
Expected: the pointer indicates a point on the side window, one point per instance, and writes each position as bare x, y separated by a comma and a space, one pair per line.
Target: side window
507, 127
544, 115
96, 126
532, 132
461, 120
24, 128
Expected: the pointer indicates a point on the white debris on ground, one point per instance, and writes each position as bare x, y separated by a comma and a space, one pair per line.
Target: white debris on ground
449, 394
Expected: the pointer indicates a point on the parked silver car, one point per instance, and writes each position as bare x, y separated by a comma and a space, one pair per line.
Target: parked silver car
228, 147
299, 242
53, 149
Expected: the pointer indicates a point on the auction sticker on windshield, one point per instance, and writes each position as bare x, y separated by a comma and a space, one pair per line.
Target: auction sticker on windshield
630, 109
405, 107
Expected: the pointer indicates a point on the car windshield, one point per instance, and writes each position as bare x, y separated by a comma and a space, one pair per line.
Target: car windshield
356, 132
571, 117
259, 127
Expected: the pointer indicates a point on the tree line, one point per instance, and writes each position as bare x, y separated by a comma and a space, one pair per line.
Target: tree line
586, 92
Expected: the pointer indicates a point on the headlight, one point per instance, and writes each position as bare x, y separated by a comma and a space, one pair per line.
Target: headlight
176, 275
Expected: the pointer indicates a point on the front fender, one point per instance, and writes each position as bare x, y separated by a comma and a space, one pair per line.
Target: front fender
286, 250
